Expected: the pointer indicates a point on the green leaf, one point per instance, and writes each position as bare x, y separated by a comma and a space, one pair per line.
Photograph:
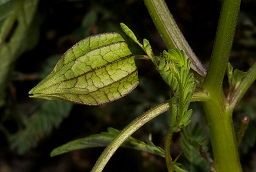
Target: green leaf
146, 47
148, 50
102, 140
94, 71
18, 32
234, 76
177, 168
130, 33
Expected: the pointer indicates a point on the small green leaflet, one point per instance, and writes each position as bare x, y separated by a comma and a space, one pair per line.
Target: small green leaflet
96, 70
235, 77
174, 68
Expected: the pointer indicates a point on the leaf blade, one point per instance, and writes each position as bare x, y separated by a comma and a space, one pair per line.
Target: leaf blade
102, 140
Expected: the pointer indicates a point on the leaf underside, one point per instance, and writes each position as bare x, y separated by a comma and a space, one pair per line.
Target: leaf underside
94, 71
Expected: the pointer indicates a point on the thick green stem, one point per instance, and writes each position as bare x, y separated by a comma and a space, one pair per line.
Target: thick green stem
217, 109
223, 138
222, 46
170, 32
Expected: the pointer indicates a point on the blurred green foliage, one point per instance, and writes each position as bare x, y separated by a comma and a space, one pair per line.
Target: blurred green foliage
34, 34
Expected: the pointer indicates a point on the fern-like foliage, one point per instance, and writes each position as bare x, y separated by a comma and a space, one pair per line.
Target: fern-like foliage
174, 68
194, 143
48, 116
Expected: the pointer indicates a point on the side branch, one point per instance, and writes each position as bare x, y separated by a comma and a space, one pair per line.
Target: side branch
247, 81
126, 132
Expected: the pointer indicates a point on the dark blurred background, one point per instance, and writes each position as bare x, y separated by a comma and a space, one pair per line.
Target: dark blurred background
30, 129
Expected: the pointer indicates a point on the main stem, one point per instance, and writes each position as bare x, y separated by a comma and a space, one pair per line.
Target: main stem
217, 109
223, 138
222, 46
